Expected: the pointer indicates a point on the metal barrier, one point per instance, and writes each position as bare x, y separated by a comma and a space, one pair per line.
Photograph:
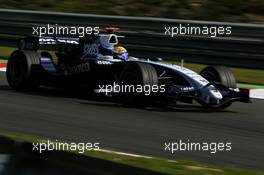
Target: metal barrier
145, 36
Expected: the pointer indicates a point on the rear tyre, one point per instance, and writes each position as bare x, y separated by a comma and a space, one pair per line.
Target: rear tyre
137, 74
23, 70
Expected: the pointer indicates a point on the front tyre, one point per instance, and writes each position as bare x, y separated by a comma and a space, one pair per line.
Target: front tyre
137, 74
221, 75
23, 69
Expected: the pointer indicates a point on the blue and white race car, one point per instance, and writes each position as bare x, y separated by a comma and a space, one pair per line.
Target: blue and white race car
100, 64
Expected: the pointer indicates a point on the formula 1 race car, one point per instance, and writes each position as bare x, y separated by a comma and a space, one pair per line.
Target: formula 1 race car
99, 64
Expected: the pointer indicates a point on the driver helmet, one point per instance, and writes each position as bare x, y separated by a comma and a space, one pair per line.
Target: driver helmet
120, 52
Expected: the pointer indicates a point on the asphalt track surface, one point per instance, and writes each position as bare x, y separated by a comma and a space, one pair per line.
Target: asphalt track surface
56, 114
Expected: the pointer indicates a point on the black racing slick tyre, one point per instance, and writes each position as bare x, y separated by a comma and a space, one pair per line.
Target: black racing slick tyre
222, 75
219, 74
23, 69
137, 74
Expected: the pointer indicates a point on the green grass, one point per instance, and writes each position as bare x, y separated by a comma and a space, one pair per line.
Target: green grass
250, 86
243, 75
3, 61
6, 51
179, 167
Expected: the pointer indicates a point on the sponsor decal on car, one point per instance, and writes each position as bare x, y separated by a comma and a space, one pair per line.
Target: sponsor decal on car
90, 50
85, 67
104, 62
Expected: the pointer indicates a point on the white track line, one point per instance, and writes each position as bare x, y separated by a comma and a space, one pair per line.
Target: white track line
125, 154
257, 93
2, 69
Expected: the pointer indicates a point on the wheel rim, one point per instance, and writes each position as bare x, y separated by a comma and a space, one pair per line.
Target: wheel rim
130, 78
209, 76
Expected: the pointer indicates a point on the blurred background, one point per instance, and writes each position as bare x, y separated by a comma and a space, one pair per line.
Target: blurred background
28, 118
250, 11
